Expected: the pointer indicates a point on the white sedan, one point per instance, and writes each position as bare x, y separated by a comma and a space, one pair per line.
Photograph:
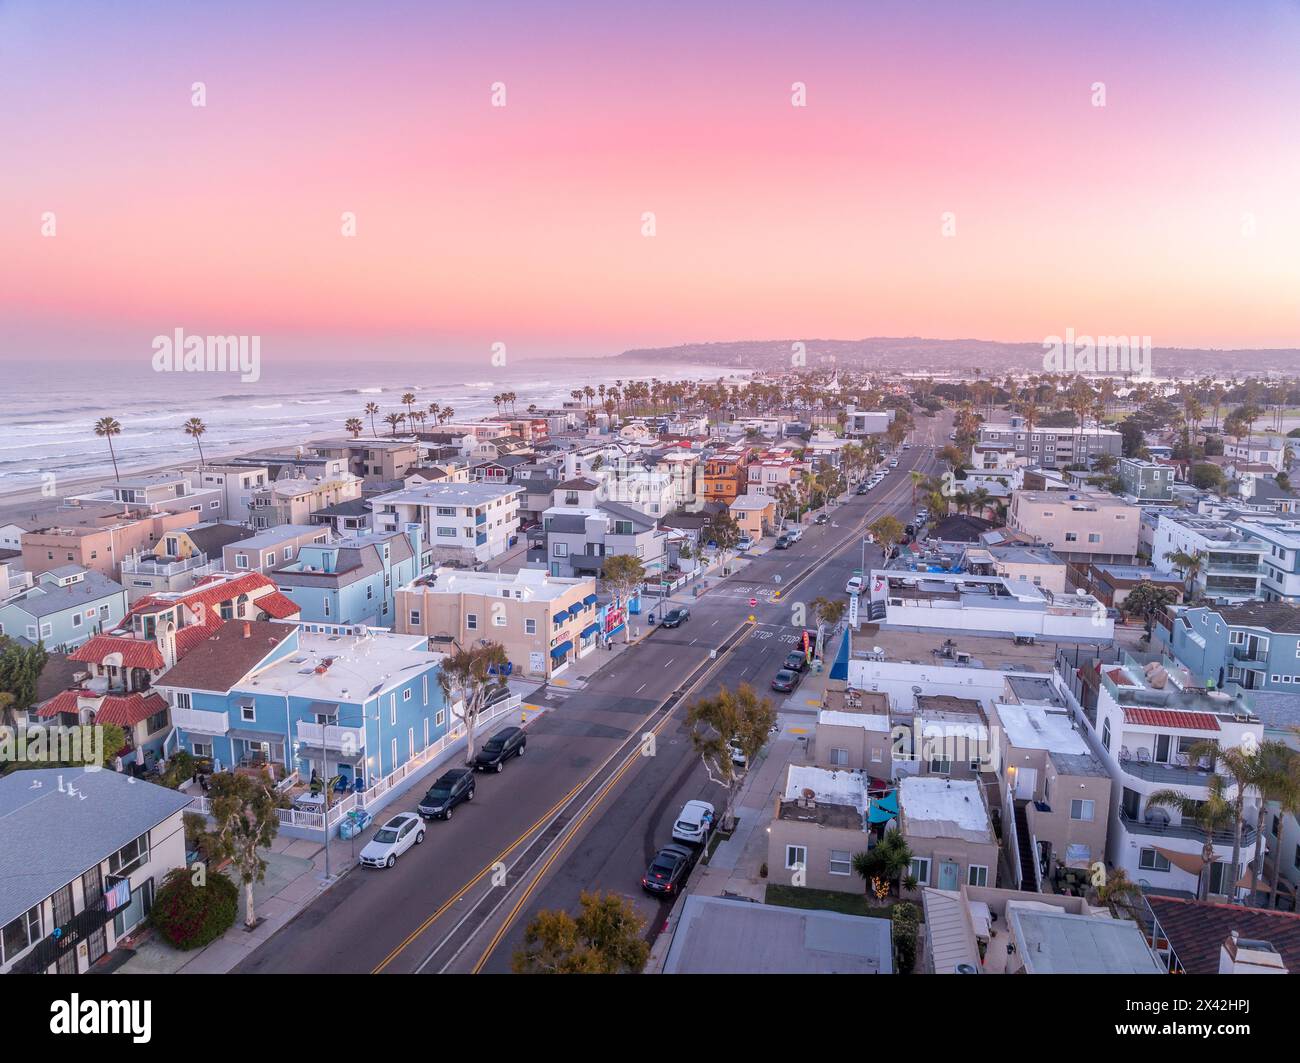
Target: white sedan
392, 840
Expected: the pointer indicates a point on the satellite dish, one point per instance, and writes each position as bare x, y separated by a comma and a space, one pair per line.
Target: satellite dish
917, 690
809, 793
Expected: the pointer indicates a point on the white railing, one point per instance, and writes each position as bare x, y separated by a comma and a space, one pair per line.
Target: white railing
1012, 835
201, 721
335, 736
294, 817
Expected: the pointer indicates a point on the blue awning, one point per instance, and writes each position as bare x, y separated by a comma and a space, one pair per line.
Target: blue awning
614, 631
589, 599
563, 648
560, 617
590, 629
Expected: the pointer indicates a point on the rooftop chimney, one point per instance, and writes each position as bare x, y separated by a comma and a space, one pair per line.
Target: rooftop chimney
248, 630
1239, 955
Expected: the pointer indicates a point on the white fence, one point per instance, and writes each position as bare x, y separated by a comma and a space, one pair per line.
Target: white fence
371, 796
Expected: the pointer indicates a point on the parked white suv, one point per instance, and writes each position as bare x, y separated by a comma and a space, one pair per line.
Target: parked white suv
392, 840
694, 822
854, 586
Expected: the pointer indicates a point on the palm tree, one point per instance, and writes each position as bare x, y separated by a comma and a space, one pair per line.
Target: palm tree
372, 408
885, 862
393, 420
917, 479
353, 425
1188, 565
408, 400
1212, 816
194, 428
448, 413
107, 428
1276, 778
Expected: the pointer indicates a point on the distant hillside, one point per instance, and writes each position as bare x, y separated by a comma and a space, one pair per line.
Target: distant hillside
991, 357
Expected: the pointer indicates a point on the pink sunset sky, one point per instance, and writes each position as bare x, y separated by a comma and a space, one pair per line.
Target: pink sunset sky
1172, 211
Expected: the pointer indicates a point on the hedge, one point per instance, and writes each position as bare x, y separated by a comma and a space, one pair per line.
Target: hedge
190, 916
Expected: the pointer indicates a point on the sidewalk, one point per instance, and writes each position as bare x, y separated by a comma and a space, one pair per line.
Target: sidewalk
295, 877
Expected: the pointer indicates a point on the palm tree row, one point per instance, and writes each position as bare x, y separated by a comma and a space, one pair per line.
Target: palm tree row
108, 427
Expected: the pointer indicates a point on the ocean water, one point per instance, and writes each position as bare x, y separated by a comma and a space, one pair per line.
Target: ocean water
47, 419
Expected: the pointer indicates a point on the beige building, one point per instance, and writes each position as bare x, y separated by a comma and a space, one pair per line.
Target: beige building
99, 541
376, 461
946, 824
853, 732
544, 622
1055, 791
755, 515
1080, 526
295, 499
818, 825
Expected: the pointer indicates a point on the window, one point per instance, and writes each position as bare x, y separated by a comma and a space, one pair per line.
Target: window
202, 749
440, 718
840, 758
561, 550
392, 719
921, 870
241, 561
1071, 537
415, 618
156, 722
841, 862
248, 713
406, 694
1105, 734
20, 934
530, 626
471, 621
1081, 810
796, 857
182, 699
447, 533
1150, 860
130, 857
977, 875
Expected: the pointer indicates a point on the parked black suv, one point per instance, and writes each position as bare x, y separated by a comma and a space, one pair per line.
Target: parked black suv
451, 788
668, 870
506, 743
674, 617
795, 661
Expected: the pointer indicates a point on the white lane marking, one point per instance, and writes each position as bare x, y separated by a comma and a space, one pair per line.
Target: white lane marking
640, 688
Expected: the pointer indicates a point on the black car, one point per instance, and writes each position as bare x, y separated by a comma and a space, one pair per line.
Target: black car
821, 518
506, 743
782, 543
785, 681
676, 617
668, 870
450, 789
910, 529
795, 661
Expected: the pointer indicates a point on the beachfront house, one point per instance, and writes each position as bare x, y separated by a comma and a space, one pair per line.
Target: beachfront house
354, 580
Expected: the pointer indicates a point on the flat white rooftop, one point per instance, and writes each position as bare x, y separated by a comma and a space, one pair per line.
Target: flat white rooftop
362, 666
453, 494
868, 721
828, 787
1031, 727
533, 584
930, 801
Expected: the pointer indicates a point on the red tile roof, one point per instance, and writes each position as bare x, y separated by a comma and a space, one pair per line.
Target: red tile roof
125, 710
209, 592
277, 606
1197, 930
63, 702
1190, 721
136, 653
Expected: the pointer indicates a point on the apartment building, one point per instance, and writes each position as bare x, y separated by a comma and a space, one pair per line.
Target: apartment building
234, 483
125, 833
164, 492
293, 500
1078, 526
272, 548
1279, 579
1112, 584
279, 696
1054, 448
1272, 451
462, 522
724, 474
1255, 645
99, 541
1229, 561
1146, 481
867, 422
543, 622
946, 824
353, 580
1025, 562
1145, 725
854, 732
376, 461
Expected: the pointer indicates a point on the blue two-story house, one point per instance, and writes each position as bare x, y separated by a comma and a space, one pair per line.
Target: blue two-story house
262, 693
1254, 644
353, 580
66, 607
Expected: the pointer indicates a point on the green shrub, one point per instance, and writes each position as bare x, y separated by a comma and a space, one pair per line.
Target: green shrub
190, 916
906, 919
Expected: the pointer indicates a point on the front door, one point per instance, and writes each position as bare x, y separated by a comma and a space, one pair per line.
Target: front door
947, 875
1026, 780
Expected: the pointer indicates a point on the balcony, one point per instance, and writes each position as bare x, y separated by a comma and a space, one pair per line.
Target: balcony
1191, 833
1247, 653
333, 736
1168, 774
163, 568
199, 721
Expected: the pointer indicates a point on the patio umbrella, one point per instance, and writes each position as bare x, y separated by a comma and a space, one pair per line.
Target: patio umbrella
889, 802
877, 815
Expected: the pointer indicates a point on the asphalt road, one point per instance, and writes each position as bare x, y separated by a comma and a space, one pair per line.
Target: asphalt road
399, 920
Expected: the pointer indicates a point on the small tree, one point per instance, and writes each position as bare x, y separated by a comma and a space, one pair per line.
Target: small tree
1147, 601
884, 862
623, 574
723, 530
906, 919
468, 679
1212, 815
605, 938
190, 914
243, 807
887, 531
742, 719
